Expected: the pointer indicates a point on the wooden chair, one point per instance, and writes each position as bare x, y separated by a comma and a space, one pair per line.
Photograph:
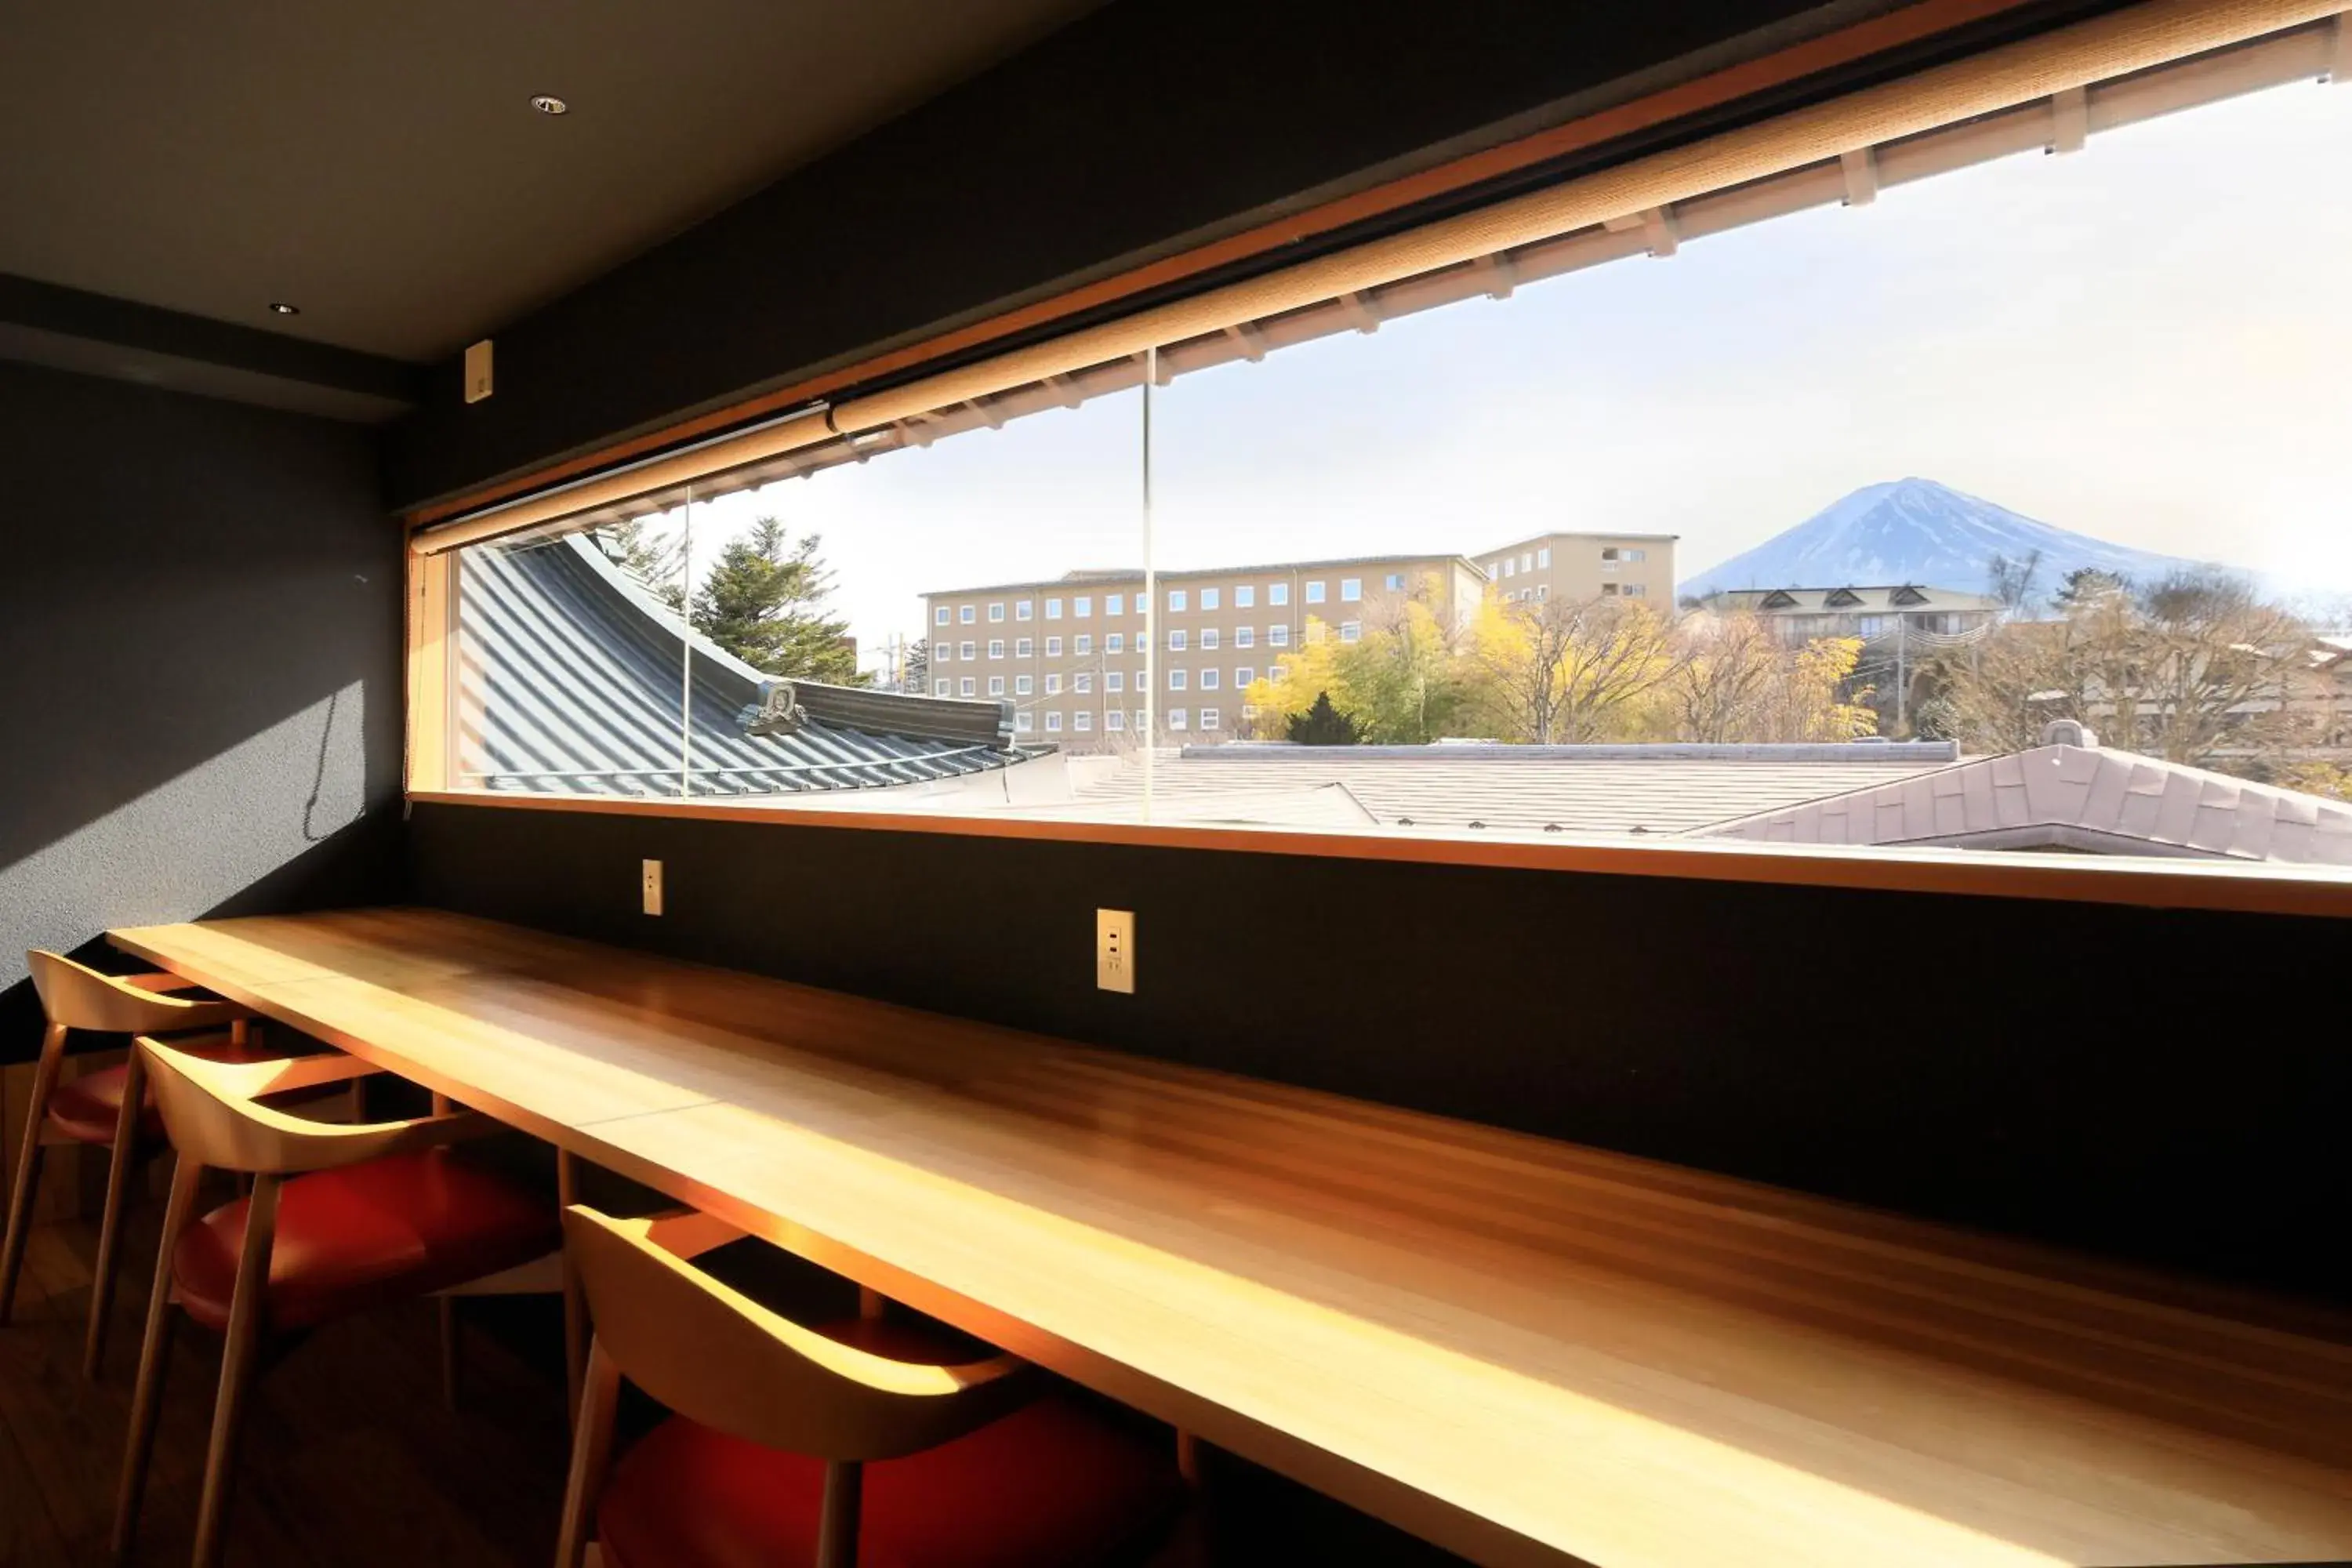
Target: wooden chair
790, 1444
88, 1108
340, 1218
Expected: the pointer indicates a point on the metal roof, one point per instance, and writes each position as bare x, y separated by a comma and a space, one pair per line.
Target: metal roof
2083, 798
1664, 790
569, 680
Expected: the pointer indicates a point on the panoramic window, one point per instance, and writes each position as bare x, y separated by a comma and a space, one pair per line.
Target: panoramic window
1944, 495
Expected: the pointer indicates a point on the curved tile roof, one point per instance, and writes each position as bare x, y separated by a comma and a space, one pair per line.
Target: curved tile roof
568, 680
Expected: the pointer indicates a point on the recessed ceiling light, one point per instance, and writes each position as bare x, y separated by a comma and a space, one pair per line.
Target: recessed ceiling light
548, 103
280, 307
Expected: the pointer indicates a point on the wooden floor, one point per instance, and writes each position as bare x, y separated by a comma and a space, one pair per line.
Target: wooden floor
350, 1457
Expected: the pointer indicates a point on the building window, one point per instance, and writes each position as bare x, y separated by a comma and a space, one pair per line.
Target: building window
944, 653
1609, 552
1114, 680
1115, 642
1053, 609
1351, 590
1609, 589
1314, 593
1083, 606
1176, 679
1242, 675
1052, 648
1244, 635
1208, 718
1244, 597
1278, 635
1053, 722
1084, 643
1176, 640
1543, 591
1527, 561
1175, 598
1208, 636
939, 617
967, 653
1024, 648
1175, 718
1394, 581
996, 686
1085, 721
1021, 723
1023, 610
1510, 566
967, 686
1351, 631
1637, 554
1208, 598
996, 647
942, 687
1114, 719
1053, 686
964, 614
995, 612
1637, 590
1114, 604
1209, 679
1278, 592
1083, 681
1022, 686
1543, 557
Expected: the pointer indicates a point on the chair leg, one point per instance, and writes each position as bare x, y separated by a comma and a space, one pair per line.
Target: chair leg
446, 1306
592, 1451
576, 1298
29, 1167
109, 1230
237, 1369
154, 1352
836, 1526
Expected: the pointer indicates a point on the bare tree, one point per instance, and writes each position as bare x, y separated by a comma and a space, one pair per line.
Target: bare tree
1559, 672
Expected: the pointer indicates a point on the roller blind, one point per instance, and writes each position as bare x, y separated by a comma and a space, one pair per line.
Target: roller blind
2052, 92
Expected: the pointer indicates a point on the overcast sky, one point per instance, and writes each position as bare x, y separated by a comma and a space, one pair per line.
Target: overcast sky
2150, 342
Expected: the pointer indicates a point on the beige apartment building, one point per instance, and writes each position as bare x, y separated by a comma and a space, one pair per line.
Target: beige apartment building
1069, 653
1579, 566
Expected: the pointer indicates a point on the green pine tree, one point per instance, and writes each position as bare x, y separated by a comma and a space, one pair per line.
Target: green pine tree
1323, 725
763, 601
656, 560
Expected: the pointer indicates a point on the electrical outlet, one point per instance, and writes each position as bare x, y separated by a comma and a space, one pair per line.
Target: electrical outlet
1114, 951
653, 887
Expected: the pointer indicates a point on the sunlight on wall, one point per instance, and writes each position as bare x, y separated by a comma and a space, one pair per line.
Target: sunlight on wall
193, 841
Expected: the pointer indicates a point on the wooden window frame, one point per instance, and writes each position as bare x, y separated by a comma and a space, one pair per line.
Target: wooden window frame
2151, 882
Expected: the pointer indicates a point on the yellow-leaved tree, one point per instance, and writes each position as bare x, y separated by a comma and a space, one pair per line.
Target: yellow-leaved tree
1571, 672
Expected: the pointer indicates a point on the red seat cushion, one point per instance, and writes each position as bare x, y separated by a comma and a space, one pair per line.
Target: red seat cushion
348, 1239
86, 1108
1053, 1484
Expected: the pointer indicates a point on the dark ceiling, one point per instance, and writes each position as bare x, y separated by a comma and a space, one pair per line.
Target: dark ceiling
382, 167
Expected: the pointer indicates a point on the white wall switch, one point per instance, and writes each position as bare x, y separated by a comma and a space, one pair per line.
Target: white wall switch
477, 372
1114, 951
653, 887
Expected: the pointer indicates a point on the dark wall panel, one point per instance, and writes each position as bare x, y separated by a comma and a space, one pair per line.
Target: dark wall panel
200, 625
1147, 122
2139, 1082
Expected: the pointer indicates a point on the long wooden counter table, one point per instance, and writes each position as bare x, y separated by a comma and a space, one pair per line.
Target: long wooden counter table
1527, 1351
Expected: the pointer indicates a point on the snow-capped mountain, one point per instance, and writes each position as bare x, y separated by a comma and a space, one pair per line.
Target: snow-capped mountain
1917, 531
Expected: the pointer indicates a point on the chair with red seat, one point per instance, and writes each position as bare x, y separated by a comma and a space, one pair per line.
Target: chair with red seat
341, 1218
849, 1443
88, 1108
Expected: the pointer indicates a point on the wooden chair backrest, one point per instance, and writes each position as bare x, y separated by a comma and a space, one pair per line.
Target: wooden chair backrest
718, 1357
80, 997
212, 1113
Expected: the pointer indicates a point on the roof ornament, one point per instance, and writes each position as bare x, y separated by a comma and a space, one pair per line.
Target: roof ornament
778, 712
2069, 732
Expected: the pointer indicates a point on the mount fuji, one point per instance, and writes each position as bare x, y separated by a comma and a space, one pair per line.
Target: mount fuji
1918, 532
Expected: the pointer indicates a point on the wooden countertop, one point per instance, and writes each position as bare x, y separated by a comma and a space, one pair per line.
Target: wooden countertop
1528, 1351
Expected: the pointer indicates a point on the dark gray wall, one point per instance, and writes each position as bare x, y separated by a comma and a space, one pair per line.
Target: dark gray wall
2145, 1083
200, 630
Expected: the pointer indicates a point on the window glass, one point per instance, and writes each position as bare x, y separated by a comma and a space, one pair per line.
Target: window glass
1244, 597
1208, 598
1278, 592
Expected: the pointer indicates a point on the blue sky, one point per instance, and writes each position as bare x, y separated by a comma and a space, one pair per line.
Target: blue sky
2150, 342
